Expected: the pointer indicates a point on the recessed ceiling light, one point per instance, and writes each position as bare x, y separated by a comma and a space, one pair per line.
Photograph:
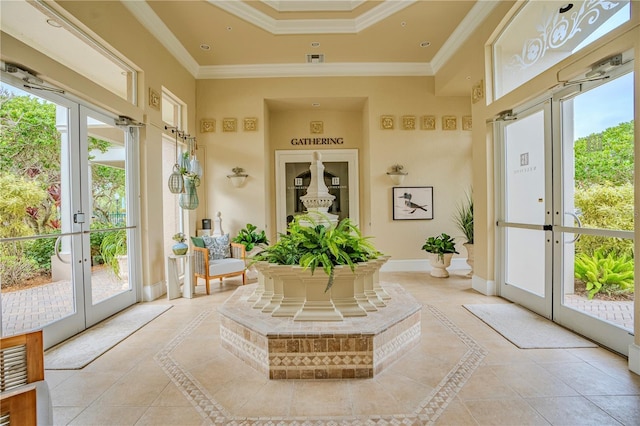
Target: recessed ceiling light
204, 46
403, 24
54, 23
229, 28
425, 44
315, 104
565, 8
315, 44
468, 77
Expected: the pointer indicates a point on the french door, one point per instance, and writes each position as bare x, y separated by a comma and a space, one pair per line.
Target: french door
68, 251
565, 186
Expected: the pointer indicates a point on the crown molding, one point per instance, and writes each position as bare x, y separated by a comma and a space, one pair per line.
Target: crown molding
371, 69
148, 18
313, 6
468, 25
311, 26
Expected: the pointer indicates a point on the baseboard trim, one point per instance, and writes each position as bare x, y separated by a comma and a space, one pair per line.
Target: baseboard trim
486, 287
421, 265
634, 358
153, 291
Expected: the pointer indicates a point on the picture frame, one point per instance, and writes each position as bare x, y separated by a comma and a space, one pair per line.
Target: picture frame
412, 202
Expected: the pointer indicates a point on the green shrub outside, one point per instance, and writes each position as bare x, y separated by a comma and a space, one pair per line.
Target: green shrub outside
40, 252
605, 273
605, 207
16, 269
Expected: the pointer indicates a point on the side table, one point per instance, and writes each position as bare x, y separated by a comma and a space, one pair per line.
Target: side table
173, 278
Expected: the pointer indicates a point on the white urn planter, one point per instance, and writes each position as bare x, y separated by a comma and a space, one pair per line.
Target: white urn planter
469, 248
439, 264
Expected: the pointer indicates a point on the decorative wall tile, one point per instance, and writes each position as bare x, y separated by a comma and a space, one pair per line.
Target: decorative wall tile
408, 122
229, 124
477, 91
449, 122
207, 125
467, 122
316, 127
428, 122
154, 99
250, 124
386, 122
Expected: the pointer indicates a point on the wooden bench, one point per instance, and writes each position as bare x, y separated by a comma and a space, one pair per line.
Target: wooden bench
23, 391
219, 268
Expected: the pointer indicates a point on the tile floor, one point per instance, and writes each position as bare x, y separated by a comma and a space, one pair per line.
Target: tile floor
174, 372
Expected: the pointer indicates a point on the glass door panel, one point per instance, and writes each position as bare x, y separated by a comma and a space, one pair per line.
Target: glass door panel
525, 239
39, 241
596, 199
106, 239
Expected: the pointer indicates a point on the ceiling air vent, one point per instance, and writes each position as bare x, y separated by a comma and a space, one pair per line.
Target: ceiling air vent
315, 58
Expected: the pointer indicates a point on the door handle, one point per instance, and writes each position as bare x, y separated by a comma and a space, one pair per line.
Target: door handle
56, 249
577, 237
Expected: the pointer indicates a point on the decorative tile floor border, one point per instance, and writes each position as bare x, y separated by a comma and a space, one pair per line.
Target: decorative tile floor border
426, 414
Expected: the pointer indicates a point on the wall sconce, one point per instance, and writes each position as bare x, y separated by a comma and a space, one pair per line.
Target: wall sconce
238, 177
396, 174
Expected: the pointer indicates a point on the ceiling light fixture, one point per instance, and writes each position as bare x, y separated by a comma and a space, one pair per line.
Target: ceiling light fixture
204, 46
315, 104
403, 24
425, 44
229, 28
315, 44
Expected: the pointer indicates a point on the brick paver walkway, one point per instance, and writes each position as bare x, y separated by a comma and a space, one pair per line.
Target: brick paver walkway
620, 313
32, 308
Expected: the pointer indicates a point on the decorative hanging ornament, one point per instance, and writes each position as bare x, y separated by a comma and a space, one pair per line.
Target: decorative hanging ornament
176, 181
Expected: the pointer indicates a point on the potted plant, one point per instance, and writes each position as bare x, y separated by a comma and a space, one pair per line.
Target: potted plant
312, 245
251, 237
464, 221
180, 248
441, 249
113, 250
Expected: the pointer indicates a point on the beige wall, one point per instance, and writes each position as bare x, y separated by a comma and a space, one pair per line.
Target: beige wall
441, 159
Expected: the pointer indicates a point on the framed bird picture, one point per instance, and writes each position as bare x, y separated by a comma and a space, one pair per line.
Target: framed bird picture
412, 202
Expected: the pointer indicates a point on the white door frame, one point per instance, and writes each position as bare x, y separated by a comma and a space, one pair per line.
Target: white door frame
329, 155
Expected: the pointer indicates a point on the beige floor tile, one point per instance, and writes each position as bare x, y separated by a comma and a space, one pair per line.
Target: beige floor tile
484, 384
404, 389
456, 414
504, 412
170, 416
326, 398
531, 380
83, 388
139, 387
171, 396
589, 380
544, 356
239, 392
63, 415
272, 399
369, 396
625, 409
574, 410
100, 415
55, 377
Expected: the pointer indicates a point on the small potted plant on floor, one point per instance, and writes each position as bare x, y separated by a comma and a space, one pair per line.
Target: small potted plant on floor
441, 249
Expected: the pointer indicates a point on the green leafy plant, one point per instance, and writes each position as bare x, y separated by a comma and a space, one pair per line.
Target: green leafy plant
250, 237
114, 245
464, 217
440, 245
608, 273
312, 245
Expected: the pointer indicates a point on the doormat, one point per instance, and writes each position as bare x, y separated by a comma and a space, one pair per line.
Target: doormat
526, 329
82, 349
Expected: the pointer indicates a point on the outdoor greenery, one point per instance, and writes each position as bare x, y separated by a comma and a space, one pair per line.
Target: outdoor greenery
30, 184
610, 274
604, 199
113, 246
251, 237
440, 245
310, 244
